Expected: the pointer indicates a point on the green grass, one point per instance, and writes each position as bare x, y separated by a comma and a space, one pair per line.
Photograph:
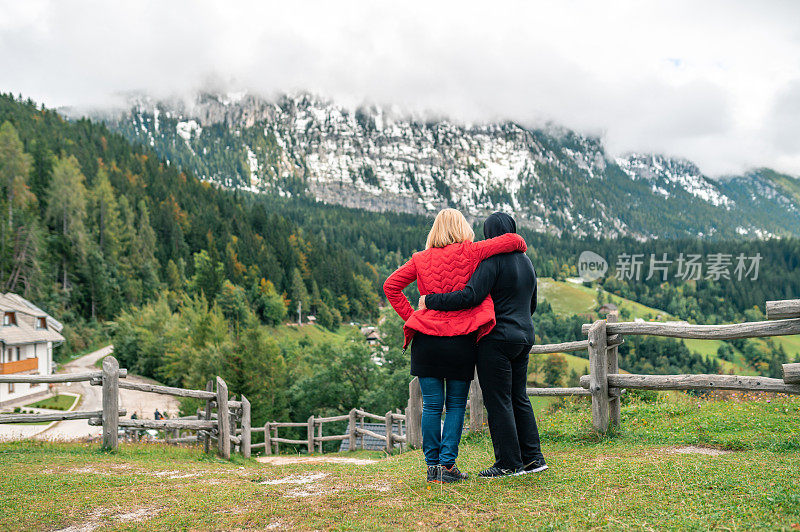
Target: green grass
311, 333
630, 480
572, 298
567, 298
580, 365
57, 402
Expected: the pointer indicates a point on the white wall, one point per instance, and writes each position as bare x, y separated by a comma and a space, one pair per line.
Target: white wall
44, 352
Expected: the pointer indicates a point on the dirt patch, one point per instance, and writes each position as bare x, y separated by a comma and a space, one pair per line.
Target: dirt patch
696, 449
305, 478
100, 517
303, 485
174, 474
291, 460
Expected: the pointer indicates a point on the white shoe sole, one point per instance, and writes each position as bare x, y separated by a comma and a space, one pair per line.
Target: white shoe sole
535, 470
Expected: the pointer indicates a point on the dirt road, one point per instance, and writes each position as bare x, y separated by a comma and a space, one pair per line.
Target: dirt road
143, 403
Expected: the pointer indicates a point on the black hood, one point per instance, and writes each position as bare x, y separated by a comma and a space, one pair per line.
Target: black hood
499, 223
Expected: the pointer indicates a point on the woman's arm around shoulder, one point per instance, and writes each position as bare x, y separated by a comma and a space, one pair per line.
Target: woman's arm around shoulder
506, 243
394, 285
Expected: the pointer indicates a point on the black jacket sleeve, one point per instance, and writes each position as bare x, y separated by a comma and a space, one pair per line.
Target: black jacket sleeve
478, 287
535, 296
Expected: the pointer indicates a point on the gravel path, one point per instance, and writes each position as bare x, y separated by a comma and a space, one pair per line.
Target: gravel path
143, 403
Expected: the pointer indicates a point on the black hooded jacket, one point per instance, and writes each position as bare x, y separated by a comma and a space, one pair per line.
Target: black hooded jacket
509, 278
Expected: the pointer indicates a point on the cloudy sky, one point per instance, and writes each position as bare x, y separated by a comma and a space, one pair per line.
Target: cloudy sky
717, 82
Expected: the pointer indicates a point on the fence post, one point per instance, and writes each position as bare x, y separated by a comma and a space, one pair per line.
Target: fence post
615, 402
362, 421
352, 433
277, 444
414, 415
207, 437
310, 435
319, 438
110, 403
475, 405
233, 416
246, 429
389, 438
267, 438
223, 420
598, 375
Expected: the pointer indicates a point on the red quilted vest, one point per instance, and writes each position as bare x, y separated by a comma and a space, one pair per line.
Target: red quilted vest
442, 270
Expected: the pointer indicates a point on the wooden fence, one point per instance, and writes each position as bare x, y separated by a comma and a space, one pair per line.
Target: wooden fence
208, 427
355, 433
605, 384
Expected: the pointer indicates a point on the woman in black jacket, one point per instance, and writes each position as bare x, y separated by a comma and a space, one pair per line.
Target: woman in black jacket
502, 359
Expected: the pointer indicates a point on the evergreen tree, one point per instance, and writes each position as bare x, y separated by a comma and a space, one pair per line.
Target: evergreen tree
15, 166
175, 279
66, 211
269, 304
208, 275
299, 293
104, 214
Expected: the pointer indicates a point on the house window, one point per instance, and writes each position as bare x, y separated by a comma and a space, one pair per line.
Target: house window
10, 318
41, 323
10, 387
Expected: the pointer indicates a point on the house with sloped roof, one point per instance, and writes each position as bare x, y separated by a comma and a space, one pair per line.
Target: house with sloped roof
27, 338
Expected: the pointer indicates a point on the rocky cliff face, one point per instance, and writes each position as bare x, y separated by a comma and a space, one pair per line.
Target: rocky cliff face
375, 158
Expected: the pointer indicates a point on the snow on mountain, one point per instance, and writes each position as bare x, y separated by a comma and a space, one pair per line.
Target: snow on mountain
552, 179
668, 174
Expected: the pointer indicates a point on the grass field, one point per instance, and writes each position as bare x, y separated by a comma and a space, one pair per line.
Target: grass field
635, 479
312, 333
572, 298
57, 402
567, 298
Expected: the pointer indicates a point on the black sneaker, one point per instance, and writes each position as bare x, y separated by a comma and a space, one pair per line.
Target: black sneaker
435, 474
452, 474
536, 466
497, 472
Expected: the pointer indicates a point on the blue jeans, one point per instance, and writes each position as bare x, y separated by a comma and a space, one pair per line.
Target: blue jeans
440, 444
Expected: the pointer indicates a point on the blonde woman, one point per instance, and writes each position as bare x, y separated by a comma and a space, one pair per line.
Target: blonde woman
443, 351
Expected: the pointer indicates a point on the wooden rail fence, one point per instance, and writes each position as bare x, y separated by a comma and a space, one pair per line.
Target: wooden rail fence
604, 384
208, 426
314, 434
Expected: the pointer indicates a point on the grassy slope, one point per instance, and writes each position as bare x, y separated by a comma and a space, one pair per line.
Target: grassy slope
312, 333
56, 402
571, 298
627, 481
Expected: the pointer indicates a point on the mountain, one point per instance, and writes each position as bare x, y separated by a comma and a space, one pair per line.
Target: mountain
375, 158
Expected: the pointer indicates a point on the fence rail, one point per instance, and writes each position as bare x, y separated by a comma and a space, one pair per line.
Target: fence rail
231, 425
605, 383
354, 435
207, 425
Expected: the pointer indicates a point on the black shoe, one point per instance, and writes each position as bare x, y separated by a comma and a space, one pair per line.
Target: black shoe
435, 474
497, 472
536, 466
452, 474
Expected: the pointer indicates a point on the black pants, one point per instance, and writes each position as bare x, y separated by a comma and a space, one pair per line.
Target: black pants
503, 375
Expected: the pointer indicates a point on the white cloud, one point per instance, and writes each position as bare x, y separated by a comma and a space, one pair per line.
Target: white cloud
712, 81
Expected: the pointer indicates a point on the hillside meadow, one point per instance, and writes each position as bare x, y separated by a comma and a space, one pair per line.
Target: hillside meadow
684, 463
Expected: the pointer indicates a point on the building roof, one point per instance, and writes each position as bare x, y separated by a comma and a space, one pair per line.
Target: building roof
26, 331
608, 307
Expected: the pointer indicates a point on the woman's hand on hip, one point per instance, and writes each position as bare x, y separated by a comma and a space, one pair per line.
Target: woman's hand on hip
421, 305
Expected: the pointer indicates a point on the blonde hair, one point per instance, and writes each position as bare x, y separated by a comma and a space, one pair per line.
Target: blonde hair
449, 227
